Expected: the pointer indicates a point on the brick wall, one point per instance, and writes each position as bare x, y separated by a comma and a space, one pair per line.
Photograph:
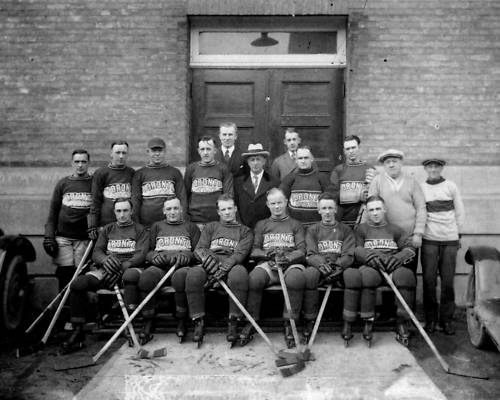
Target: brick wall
424, 76
82, 73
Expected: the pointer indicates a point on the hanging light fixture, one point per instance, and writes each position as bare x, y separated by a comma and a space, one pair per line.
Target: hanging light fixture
264, 41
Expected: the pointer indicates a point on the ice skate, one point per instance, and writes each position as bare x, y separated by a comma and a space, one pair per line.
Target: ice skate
368, 331
347, 333
199, 331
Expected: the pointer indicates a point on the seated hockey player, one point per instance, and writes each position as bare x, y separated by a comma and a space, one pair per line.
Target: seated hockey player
121, 245
381, 245
330, 255
278, 239
223, 247
172, 242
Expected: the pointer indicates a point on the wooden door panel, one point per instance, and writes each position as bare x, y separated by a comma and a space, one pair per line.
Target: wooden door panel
310, 100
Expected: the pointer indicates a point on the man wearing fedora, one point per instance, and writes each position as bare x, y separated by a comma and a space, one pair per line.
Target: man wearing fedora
445, 218
250, 189
402, 196
154, 183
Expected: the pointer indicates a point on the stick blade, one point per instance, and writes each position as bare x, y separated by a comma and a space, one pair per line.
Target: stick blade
160, 352
65, 364
287, 372
30, 349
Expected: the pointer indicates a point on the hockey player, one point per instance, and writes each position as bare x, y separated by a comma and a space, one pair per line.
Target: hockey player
154, 183
330, 255
403, 197
108, 184
121, 245
66, 236
381, 245
223, 247
445, 218
205, 181
286, 163
250, 189
303, 187
278, 238
172, 241
350, 182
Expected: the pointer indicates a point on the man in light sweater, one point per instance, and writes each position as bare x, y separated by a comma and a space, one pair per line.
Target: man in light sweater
403, 198
445, 218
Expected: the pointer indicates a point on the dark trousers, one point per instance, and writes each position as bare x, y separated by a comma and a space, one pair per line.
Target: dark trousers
188, 283
78, 296
352, 293
403, 278
137, 284
439, 259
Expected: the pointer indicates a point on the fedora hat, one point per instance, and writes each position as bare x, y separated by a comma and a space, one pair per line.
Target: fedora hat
255, 150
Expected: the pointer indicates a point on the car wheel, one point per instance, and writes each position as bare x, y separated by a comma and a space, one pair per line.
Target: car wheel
13, 292
477, 332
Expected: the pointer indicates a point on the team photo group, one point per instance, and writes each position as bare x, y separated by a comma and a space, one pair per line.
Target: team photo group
241, 221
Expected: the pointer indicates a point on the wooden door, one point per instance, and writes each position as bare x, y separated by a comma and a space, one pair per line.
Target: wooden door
264, 102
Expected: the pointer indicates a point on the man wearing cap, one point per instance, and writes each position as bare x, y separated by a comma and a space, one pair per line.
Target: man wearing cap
66, 236
250, 189
229, 153
350, 182
445, 218
285, 163
403, 197
109, 183
205, 181
155, 183
303, 187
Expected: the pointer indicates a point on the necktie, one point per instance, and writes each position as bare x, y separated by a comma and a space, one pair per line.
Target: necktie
226, 155
294, 155
255, 183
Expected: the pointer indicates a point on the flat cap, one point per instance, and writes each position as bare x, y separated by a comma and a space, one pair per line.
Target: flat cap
437, 161
156, 143
390, 153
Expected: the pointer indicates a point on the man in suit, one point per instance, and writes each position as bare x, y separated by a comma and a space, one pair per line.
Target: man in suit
229, 153
285, 163
250, 189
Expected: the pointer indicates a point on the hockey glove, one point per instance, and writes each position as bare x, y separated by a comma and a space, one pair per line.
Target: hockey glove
210, 264
93, 233
222, 271
325, 270
392, 264
112, 265
182, 260
162, 260
334, 276
50, 246
110, 279
271, 253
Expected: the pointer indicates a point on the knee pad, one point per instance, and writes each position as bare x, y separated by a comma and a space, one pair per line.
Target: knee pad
131, 276
352, 278
238, 276
149, 279
257, 279
179, 279
404, 277
295, 279
80, 283
196, 278
312, 277
370, 278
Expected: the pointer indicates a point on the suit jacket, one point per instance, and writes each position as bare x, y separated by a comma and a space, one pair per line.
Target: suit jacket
252, 206
282, 166
236, 164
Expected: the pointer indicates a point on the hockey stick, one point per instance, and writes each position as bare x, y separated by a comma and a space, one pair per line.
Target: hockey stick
320, 315
291, 359
141, 352
424, 334
65, 293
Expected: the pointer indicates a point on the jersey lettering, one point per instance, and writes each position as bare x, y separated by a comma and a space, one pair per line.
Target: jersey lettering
388, 244
206, 185
330, 246
304, 200
223, 243
117, 191
272, 240
164, 243
351, 192
121, 246
79, 200
159, 188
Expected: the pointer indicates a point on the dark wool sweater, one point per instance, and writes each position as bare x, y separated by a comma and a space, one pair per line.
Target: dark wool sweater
229, 242
348, 184
334, 243
303, 188
173, 238
108, 184
151, 186
204, 184
69, 207
128, 242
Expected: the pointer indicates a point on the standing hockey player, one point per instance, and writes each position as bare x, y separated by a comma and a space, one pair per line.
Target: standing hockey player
330, 255
154, 183
381, 245
121, 245
250, 189
66, 236
403, 197
172, 241
278, 239
108, 184
303, 187
205, 181
223, 248
445, 218
350, 182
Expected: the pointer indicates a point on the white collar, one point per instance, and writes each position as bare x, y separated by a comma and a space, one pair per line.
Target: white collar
259, 176
230, 149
